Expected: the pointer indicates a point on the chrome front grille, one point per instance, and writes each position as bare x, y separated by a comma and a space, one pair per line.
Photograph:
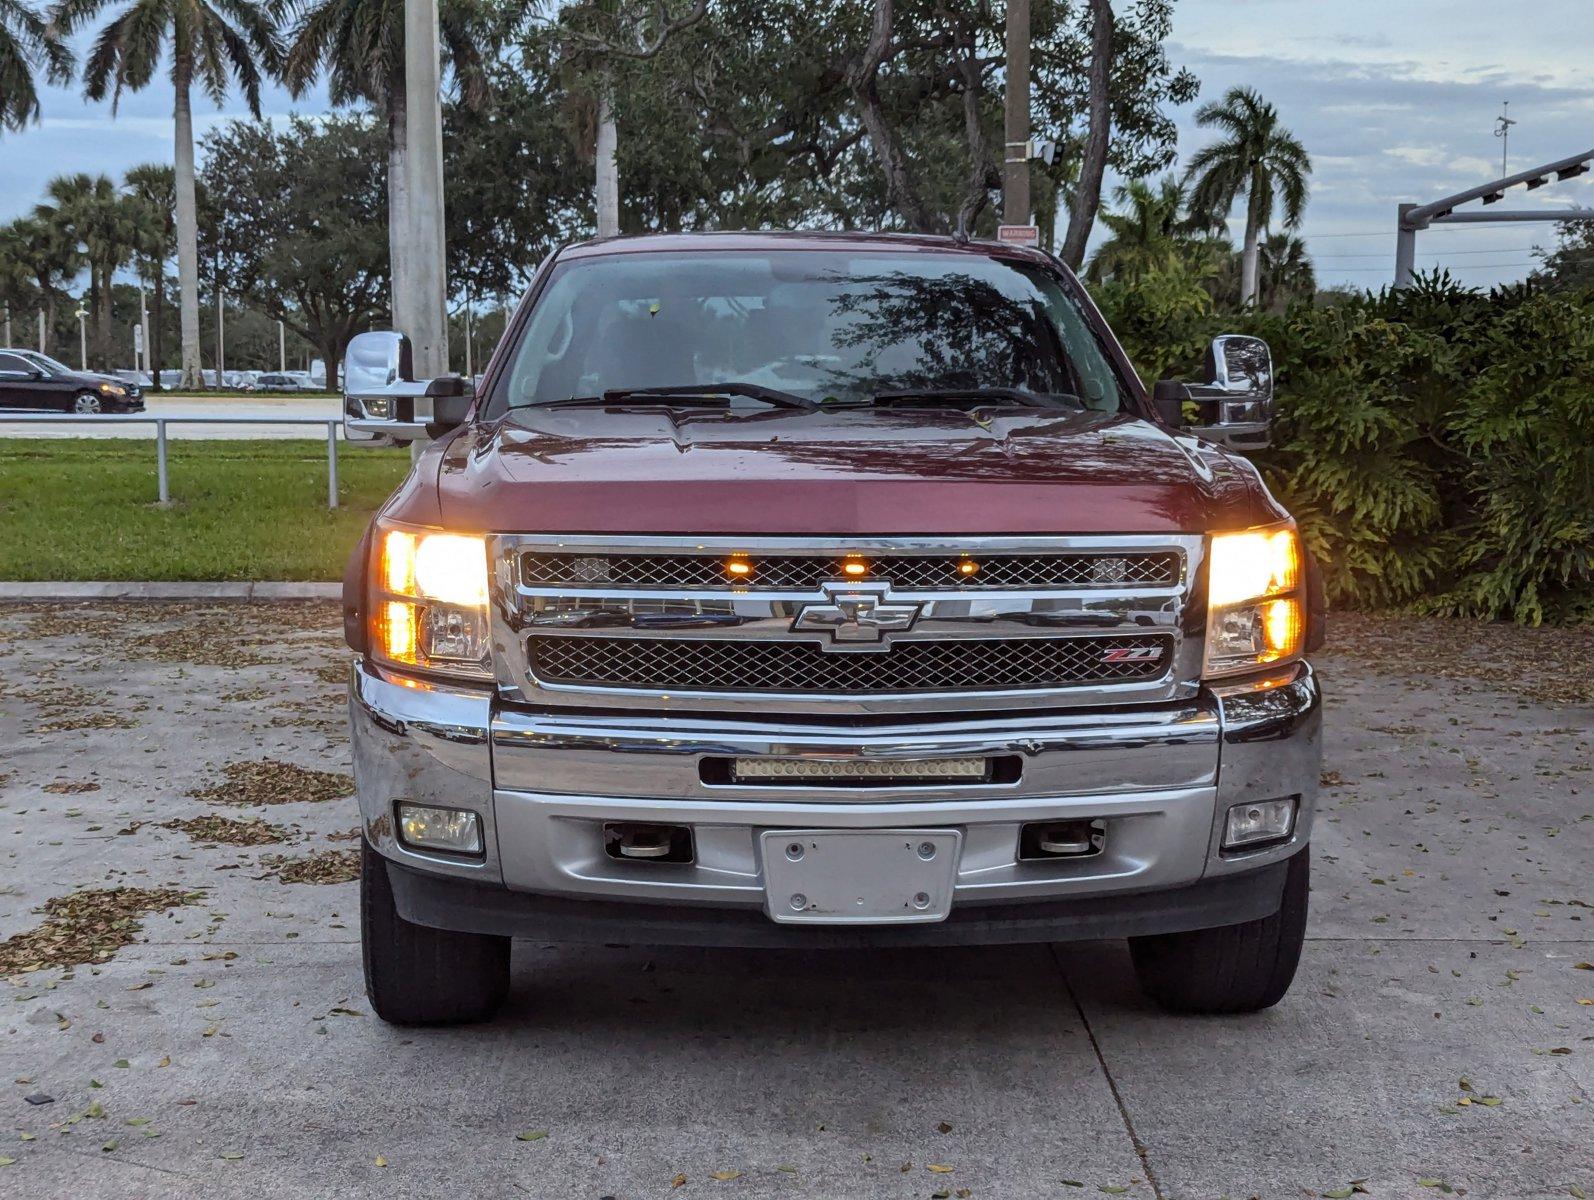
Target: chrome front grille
798, 668
657, 623
965, 572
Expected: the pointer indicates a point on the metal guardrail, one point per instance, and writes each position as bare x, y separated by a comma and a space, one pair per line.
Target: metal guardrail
160, 424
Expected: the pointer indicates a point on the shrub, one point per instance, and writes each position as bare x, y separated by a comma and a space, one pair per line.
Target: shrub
1436, 444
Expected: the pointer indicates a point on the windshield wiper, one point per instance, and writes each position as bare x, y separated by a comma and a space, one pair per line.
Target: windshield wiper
704, 393
970, 397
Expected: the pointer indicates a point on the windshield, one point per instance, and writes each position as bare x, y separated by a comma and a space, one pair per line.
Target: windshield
828, 326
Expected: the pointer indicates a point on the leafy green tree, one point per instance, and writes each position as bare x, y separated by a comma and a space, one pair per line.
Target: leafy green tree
207, 43
1570, 265
152, 193
316, 257
52, 255
19, 293
91, 212
1257, 158
27, 43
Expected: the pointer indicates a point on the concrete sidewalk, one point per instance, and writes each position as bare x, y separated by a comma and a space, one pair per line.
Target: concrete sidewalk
1438, 1038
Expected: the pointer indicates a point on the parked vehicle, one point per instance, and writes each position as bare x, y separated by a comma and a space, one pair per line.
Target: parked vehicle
138, 379
281, 381
827, 590
30, 380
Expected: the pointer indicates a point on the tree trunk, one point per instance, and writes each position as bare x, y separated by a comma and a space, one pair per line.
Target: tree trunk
402, 289
608, 167
863, 79
187, 228
155, 329
1250, 256
1087, 192
107, 348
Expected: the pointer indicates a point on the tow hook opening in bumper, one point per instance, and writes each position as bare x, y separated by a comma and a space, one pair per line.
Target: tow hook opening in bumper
1049, 841
635, 841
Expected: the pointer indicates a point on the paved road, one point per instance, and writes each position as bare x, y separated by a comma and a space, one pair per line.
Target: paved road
316, 408
1451, 902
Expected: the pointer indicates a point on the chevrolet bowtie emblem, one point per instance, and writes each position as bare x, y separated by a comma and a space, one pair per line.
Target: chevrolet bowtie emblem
856, 617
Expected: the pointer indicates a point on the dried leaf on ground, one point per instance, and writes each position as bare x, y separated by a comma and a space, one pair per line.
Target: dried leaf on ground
87, 926
267, 781
71, 787
229, 832
327, 866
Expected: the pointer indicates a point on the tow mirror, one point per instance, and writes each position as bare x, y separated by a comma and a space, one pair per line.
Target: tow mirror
382, 399
1235, 402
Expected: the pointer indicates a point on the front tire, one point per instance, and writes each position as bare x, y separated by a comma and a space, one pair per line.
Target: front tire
86, 404
416, 975
1233, 968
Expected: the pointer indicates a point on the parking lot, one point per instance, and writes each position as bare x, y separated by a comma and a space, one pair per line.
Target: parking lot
1439, 1037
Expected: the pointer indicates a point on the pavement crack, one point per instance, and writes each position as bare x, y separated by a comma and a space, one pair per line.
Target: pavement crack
1112, 1084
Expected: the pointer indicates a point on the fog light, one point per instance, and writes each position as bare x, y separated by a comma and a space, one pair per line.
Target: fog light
449, 829
1259, 821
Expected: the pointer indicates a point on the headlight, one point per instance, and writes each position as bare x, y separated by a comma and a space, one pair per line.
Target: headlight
113, 389
1256, 614
429, 602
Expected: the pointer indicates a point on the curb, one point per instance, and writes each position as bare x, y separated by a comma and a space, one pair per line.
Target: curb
164, 590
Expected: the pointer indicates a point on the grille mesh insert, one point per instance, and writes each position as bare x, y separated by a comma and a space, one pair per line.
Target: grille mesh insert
905, 572
993, 664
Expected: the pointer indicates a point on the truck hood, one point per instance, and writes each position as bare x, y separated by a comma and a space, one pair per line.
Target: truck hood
850, 472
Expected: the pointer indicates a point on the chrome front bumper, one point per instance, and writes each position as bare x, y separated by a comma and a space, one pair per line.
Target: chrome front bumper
544, 784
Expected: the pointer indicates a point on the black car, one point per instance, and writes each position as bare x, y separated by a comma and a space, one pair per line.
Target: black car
33, 381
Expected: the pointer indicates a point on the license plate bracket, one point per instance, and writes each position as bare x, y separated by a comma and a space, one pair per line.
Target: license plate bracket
859, 876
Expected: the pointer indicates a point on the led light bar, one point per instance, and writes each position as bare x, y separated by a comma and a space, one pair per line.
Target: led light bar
923, 770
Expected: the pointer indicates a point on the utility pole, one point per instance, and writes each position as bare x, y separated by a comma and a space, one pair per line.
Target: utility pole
1015, 165
1502, 130
428, 306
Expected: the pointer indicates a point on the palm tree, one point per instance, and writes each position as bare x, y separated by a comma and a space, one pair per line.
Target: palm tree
212, 42
360, 45
53, 256
18, 292
26, 43
1286, 271
1148, 233
1259, 158
152, 193
90, 211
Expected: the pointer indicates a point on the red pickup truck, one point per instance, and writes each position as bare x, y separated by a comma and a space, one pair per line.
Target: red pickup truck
827, 590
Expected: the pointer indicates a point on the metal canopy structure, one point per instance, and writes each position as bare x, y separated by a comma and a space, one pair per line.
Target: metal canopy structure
1412, 217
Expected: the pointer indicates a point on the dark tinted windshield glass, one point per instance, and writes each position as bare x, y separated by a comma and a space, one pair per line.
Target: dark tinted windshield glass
825, 325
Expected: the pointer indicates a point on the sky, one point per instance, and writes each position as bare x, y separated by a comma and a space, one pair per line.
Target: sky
1394, 99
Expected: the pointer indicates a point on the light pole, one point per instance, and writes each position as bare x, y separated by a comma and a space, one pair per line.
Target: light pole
8, 324
41, 331
83, 338
282, 348
427, 306
143, 327
1502, 130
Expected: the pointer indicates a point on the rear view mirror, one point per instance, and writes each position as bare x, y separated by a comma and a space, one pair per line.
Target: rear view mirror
383, 400
1236, 401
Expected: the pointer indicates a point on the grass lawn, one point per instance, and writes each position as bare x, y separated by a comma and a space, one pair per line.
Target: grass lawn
84, 508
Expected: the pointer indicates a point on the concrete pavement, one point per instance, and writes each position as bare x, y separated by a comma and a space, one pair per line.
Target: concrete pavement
1451, 906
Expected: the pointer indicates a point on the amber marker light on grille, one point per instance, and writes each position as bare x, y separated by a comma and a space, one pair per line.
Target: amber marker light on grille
855, 568
738, 568
968, 567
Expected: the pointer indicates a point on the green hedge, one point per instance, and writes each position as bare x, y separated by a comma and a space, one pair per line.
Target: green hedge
1436, 444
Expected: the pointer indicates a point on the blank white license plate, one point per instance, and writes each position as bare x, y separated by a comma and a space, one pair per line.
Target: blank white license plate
859, 876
